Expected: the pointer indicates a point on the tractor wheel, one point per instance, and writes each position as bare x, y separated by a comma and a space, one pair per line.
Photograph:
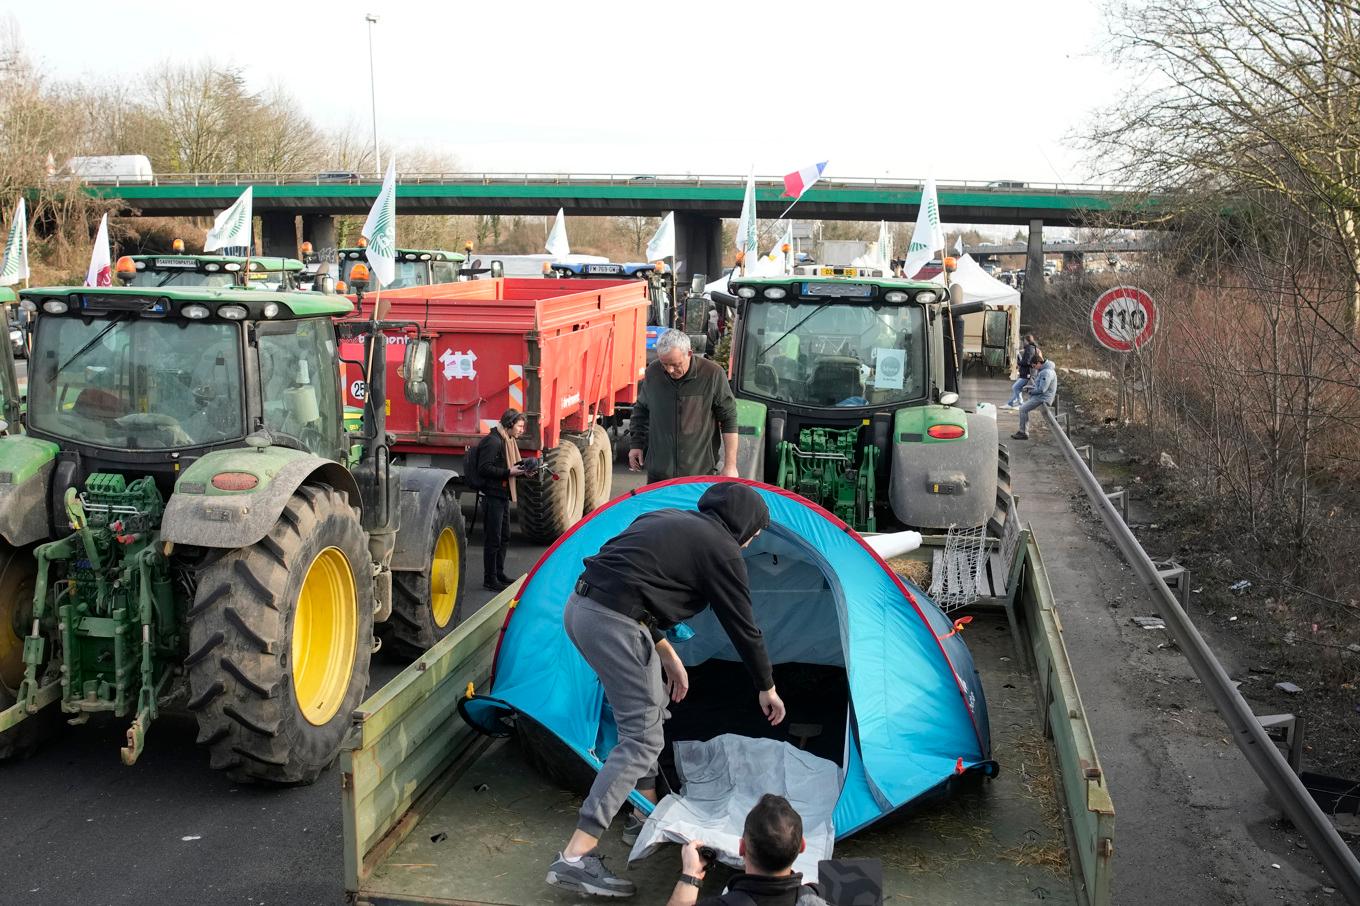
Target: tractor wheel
547, 508
598, 457
17, 574
280, 636
427, 605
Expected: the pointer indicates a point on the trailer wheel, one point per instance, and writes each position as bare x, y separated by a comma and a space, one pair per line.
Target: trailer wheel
280, 636
598, 455
17, 574
547, 508
427, 605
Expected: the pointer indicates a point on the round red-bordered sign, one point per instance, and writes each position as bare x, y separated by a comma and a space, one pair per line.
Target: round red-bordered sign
1123, 318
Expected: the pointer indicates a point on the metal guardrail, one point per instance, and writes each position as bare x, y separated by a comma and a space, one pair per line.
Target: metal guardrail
322, 178
1251, 738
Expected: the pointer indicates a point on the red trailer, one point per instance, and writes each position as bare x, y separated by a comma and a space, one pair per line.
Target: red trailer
565, 352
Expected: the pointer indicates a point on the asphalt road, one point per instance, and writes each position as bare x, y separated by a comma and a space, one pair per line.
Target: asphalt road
80, 828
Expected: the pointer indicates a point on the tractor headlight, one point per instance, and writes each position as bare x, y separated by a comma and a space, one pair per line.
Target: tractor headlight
895, 297
271, 309
212, 268
775, 292
55, 307
232, 312
925, 297
747, 292
194, 312
28, 305
231, 266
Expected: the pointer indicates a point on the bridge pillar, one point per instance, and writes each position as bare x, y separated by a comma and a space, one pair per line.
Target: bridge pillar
698, 247
1034, 264
278, 234
319, 230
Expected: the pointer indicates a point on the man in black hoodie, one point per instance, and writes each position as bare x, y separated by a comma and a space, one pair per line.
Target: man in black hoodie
667, 566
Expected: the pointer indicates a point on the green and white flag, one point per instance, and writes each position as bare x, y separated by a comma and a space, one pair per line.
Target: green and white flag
928, 237
233, 227
15, 267
557, 244
746, 226
885, 249
380, 229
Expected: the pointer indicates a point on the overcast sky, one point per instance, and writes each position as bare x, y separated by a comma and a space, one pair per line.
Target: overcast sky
984, 90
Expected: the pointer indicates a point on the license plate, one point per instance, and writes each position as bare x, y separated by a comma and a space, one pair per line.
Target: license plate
603, 269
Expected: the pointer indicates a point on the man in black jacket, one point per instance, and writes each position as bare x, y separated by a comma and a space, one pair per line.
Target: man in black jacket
770, 841
667, 566
498, 465
684, 403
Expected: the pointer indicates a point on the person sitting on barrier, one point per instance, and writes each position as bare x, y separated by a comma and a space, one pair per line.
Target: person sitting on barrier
771, 839
1026, 363
1044, 393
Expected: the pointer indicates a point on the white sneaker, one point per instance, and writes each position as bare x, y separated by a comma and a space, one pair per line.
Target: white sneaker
1009, 408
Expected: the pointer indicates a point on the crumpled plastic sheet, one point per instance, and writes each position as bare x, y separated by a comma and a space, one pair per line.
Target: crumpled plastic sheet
721, 781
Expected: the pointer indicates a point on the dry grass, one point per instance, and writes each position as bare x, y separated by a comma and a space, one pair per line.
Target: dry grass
918, 571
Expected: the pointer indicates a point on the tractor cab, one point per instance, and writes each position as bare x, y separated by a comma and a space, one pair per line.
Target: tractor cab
415, 267
840, 381
180, 271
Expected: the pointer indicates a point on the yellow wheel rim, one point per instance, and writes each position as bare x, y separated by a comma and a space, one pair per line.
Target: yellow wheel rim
15, 598
444, 577
325, 632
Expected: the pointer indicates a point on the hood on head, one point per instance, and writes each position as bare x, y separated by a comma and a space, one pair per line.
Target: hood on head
738, 507
1049, 366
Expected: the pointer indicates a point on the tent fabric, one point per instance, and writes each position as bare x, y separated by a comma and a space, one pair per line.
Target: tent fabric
723, 780
980, 286
916, 710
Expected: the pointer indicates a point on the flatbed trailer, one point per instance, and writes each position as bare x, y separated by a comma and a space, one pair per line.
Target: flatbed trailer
435, 813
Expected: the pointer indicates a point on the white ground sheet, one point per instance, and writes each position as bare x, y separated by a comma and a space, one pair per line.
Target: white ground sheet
720, 782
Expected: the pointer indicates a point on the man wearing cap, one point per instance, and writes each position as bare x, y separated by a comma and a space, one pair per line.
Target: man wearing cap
641, 583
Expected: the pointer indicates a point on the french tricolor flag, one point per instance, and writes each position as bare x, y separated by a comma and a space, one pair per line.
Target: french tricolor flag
799, 181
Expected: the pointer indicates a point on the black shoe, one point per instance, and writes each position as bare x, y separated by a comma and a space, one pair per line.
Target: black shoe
1020, 435
589, 876
495, 585
505, 580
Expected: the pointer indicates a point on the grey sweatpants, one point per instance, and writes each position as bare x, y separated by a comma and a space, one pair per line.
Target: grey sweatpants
621, 653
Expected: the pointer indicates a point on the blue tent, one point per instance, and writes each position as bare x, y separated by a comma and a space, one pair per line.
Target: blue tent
868, 666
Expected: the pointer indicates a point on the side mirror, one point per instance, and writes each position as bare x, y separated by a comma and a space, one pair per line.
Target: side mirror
948, 399
497, 269
324, 283
416, 368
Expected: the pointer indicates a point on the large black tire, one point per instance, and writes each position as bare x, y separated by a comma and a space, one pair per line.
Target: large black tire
17, 574
597, 455
548, 508
246, 648
428, 604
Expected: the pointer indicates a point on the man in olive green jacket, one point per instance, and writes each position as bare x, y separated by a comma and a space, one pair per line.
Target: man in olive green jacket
684, 403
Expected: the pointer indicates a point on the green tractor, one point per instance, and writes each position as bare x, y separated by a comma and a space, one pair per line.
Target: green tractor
180, 271
840, 378
186, 513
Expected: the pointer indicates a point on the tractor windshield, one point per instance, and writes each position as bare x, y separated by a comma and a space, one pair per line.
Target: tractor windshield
181, 278
136, 384
834, 354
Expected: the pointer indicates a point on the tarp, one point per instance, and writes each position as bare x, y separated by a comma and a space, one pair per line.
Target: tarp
911, 713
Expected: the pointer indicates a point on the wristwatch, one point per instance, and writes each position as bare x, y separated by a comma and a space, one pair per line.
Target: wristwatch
691, 879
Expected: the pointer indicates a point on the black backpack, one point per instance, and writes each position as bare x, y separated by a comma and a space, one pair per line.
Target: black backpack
472, 473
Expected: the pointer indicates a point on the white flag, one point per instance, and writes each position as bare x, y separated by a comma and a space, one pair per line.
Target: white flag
557, 245
885, 249
928, 237
15, 267
777, 254
380, 229
746, 226
958, 246
100, 271
233, 227
662, 243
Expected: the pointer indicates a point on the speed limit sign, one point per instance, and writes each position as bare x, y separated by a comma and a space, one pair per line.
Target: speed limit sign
1123, 318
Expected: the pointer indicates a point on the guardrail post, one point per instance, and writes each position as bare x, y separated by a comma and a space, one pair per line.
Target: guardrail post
1121, 499
1286, 731
1088, 454
1176, 578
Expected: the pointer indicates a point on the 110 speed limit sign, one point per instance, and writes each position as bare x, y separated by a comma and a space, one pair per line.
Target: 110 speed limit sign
1123, 318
